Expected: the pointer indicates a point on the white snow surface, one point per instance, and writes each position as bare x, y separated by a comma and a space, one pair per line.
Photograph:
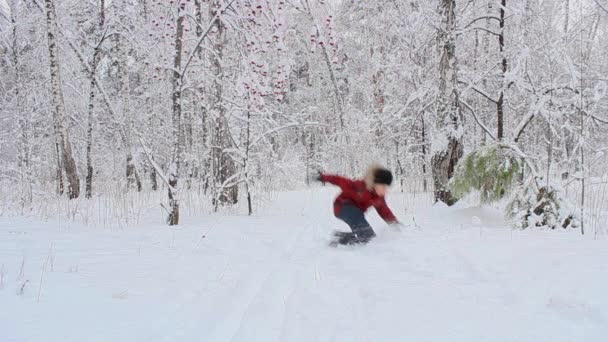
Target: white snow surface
5, 8
460, 274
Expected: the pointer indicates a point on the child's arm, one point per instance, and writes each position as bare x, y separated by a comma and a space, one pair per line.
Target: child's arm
384, 211
343, 182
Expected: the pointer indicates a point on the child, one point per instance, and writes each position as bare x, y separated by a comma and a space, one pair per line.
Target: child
354, 200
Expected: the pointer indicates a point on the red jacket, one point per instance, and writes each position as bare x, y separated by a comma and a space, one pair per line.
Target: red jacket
355, 192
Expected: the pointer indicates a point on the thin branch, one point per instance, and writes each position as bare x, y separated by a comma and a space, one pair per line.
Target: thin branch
524, 157
601, 6
523, 124
478, 91
595, 117
202, 38
480, 18
560, 88
484, 127
478, 28
297, 124
157, 168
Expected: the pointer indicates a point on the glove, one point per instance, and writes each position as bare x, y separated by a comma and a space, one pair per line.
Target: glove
318, 177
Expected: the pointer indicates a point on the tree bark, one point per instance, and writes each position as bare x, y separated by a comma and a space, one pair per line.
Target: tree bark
178, 134
500, 102
449, 117
91, 107
567, 14
198, 14
224, 167
424, 142
59, 112
486, 52
246, 163
202, 106
59, 166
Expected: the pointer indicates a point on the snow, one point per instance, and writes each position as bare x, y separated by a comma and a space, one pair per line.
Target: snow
5, 13
5, 9
458, 274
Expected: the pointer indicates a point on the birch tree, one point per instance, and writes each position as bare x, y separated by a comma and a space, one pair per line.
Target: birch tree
92, 92
177, 132
59, 112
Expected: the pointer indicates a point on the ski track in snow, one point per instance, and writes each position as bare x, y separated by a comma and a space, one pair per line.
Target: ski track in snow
461, 276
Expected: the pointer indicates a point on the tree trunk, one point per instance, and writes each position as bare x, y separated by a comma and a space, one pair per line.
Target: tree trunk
198, 14
178, 134
424, 172
144, 9
246, 163
449, 117
153, 179
224, 167
59, 112
133, 181
567, 14
59, 169
91, 109
378, 82
23, 121
486, 52
500, 102
205, 122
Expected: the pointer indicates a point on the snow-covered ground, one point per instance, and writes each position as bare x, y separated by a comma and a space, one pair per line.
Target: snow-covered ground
457, 275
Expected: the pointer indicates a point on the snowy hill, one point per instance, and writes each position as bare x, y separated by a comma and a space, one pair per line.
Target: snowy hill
457, 275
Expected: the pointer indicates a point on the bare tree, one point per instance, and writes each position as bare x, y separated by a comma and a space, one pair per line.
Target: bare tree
59, 111
92, 91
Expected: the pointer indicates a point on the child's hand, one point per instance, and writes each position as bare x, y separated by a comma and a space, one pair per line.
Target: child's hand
318, 177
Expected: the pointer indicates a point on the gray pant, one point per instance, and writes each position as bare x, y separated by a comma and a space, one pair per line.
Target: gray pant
355, 218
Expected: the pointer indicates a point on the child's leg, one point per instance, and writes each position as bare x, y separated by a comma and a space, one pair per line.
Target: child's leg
355, 219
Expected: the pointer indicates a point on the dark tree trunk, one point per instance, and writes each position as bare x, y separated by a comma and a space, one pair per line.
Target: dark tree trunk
449, 116
153, 179
246, 163
500, 102
424, 152
59, 172
444, 165
91, 109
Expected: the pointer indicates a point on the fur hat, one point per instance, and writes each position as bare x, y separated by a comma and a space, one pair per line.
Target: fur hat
377, 175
